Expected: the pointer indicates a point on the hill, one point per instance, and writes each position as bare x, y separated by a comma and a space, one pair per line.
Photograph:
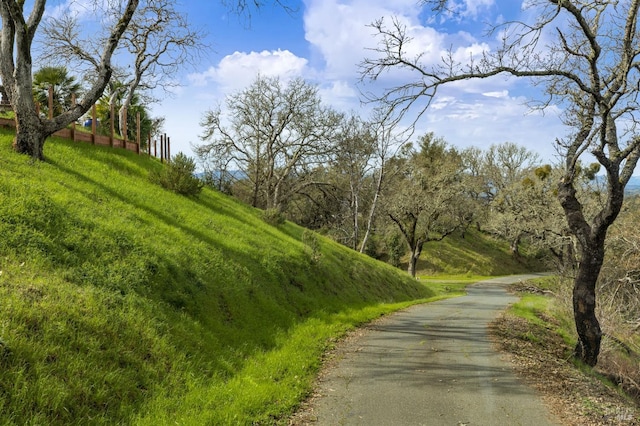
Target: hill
476, 253
123, 303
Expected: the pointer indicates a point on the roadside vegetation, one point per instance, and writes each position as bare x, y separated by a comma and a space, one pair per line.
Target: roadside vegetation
539, 334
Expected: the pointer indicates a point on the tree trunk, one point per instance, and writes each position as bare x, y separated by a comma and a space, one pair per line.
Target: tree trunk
584, 305
30, 135
514, 247
591, 241
372, 212
413, 259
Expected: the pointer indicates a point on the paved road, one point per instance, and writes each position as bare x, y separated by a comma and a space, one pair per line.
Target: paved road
431, 365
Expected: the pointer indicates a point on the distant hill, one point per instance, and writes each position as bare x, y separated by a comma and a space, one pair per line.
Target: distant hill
633, 187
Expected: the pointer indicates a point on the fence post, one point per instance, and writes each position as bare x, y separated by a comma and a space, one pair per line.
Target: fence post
73, 125
161, 148
168, 149
94, 119
112, 132
50, 102
124, 128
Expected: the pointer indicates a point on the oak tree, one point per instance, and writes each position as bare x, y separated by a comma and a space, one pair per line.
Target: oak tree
158, 43
424, 198
274, 133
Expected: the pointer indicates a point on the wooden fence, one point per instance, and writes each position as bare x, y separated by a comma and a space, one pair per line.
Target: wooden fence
163, 152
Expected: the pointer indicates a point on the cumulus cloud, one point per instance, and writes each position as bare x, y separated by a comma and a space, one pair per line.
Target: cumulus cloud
340, 30
339, 37
237, 71
340, 95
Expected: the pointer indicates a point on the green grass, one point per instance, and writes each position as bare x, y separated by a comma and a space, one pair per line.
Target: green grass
545, 310
477, 254
123, 303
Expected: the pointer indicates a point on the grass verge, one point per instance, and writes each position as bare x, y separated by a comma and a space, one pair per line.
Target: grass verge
538, 334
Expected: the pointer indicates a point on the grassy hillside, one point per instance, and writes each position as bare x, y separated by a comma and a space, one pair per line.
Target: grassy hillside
124, 303
475, 254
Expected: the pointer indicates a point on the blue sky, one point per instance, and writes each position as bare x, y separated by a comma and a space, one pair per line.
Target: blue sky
324, 40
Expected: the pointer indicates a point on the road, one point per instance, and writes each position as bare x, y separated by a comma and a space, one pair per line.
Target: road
430, 365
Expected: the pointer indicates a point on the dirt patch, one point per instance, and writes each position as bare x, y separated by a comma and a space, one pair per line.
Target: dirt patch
542, 358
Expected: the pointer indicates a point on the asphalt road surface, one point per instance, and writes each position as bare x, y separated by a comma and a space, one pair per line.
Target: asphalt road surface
430, 365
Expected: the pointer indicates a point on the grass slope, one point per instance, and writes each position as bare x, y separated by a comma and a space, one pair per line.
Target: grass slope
475, 254
123, 303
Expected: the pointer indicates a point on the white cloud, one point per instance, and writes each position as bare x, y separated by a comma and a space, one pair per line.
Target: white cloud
472, 8
237, 71
340, 95
500, 94
465, 113
491, 118
80, 9
340, 30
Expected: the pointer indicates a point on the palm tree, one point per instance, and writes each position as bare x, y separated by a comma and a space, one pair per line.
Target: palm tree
63, 84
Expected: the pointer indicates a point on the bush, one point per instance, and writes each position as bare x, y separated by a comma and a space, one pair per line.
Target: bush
273, 217
178, 176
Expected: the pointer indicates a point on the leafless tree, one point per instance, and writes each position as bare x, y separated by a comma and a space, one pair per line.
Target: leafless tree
505, 167
158, 43
586, 56
352, 163
273, 132
388, 142
19, 29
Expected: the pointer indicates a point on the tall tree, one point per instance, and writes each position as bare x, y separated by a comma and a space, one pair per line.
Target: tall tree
16, 40
505, 167
590, 65
356, 146
388, 142
276, 132
424, 197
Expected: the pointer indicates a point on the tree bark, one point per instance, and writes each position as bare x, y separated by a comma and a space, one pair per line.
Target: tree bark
413, 259
372, 212
591, 241
584, 305
30, 136
514, 246
16, 38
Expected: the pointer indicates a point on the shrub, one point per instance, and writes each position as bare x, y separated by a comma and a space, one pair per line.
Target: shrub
178, 176
273, 217
312, 243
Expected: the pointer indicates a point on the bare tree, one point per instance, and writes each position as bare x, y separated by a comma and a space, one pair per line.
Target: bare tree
159, 42
273, 133
352, 163
16, 42
505, 167
388, 142
589, 65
